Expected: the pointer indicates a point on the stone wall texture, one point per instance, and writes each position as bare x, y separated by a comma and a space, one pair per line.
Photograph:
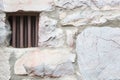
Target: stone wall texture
82, 35
4, 65
98, 53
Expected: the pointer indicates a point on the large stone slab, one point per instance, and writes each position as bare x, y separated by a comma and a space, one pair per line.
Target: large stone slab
98, 51
34, 5
47, 62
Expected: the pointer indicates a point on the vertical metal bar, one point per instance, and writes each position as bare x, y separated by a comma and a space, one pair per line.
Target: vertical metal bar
36, 30
18, 31
26, 31
32, 27
14, 32
29, 31
32, 31
21, 32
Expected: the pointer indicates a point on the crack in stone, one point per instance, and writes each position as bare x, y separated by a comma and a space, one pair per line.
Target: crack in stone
110, 40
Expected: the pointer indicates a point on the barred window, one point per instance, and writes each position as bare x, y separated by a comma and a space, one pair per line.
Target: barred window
24, 27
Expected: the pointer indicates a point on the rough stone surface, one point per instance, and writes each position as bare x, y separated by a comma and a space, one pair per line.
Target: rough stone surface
44, 62
1, 5
60, 70
49, 34
16, 53
98, 53
4, 65
64, 69
4, 31
47, 5
93, 4
36, 5
80, 18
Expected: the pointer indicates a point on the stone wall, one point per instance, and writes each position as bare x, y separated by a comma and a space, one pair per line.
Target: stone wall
86, 28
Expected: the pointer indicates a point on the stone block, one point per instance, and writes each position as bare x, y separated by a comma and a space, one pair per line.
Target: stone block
49, 34
98, 52
48, 62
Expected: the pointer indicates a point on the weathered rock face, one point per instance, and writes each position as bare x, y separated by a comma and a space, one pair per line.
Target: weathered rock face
93, 4
42, 63
4, 28
49, 34
80, 18
4, 65
1, 5
47, 5
4, 31
98, 51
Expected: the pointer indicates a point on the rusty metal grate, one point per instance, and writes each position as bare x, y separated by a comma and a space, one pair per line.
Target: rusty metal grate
24, 30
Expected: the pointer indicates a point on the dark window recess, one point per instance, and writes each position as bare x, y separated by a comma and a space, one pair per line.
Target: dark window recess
24, 30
